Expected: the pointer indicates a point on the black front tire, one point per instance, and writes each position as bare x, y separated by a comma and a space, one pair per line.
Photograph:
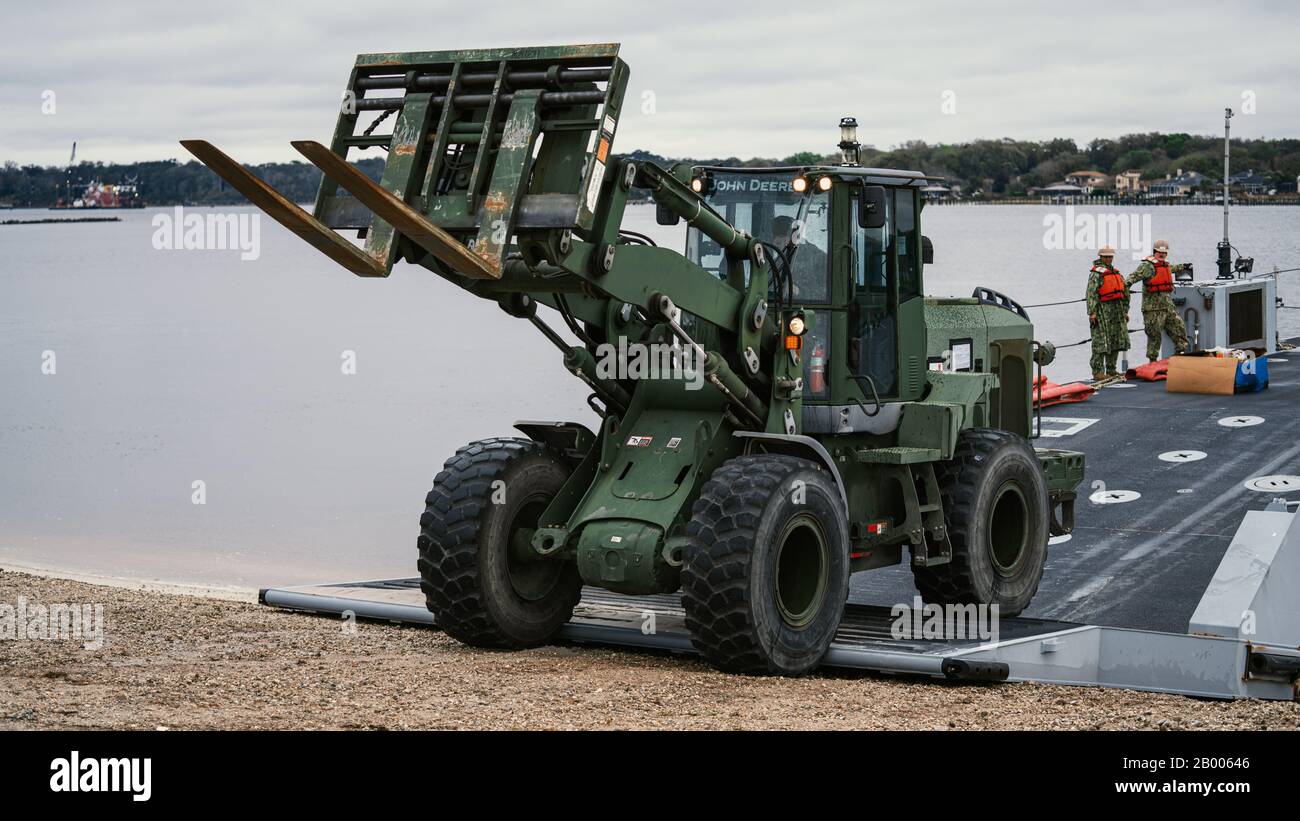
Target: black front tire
996, 508
478, 588
766, 567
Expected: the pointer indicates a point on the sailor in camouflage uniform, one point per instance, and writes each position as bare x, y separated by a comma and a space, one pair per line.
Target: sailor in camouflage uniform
1108, 304
1159, 314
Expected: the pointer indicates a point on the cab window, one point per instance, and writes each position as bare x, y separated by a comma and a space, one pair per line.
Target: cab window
873, 326
807, 241
908, 244
766, 206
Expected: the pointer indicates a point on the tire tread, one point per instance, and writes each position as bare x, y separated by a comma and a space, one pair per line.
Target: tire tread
953, 583
448, 541
715, 582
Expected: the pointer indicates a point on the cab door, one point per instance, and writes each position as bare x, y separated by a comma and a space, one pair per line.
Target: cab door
908, 263
873, 297
886, 316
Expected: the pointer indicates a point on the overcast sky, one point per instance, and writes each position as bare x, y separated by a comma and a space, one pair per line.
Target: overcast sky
739, 78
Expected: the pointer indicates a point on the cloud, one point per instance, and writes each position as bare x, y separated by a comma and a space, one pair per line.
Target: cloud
756, 79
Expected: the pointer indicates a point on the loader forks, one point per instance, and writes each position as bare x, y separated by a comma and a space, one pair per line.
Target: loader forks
484, 145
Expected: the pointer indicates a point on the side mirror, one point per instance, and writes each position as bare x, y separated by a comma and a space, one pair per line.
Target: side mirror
666, 216
927, 251
871, 207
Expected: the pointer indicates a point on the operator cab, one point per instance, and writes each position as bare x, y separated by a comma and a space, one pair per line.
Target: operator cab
851, 240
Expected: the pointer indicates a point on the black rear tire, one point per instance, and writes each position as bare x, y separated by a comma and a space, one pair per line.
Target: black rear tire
478, 589
996, 508
766, 567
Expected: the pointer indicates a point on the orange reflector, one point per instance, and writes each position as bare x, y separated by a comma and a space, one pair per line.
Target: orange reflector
793, 343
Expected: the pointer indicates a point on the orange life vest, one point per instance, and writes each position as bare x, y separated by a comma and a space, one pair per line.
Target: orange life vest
1163, 281
1112, 285
1048, 393
1156, 371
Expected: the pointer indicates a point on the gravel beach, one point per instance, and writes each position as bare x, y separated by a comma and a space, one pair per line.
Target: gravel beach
187, 661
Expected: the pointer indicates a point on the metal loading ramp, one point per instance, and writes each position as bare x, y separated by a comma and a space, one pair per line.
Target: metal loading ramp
864, 641
1260, 569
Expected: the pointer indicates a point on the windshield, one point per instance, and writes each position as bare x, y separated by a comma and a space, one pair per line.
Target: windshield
765, 205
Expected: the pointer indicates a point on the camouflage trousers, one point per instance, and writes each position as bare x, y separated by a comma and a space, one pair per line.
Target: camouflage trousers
1109, 336
1163, 319
1104, 361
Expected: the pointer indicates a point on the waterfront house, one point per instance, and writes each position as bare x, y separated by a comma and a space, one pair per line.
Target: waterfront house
1178, 185
1089, 181
1058, 192
937, 192
1129, 183
1248, 182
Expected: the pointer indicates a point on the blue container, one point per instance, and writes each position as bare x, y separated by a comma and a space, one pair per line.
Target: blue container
1252, 375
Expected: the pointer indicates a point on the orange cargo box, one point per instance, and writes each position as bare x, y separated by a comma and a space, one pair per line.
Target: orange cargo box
1202, 373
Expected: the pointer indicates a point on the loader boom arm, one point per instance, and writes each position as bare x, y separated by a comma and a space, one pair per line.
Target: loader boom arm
491, 152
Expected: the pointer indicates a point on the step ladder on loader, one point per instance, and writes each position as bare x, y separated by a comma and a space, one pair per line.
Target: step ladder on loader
485, 145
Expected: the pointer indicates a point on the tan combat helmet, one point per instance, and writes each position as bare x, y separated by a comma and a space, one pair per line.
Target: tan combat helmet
1161, 245
1106, 251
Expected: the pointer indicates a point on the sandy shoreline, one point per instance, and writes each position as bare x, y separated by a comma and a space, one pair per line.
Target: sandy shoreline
180, 659
203, 591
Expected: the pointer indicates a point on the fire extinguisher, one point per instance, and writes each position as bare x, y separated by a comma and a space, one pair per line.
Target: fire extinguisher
817, 370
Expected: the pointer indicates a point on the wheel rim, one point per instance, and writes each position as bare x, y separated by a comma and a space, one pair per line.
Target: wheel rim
532, 579
1008, 529
802, 567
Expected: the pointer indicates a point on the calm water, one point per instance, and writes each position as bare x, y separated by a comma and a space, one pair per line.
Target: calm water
180, 366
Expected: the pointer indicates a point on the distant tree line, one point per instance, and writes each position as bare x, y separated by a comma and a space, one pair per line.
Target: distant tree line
1001, 167
161, 182
1012, 167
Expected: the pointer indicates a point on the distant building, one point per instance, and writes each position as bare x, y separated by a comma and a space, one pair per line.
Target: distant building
1088, 180
1058, 190
1248, 182
935, 191
1178, 185
1129, 183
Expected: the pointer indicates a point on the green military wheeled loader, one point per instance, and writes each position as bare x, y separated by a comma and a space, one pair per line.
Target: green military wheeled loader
780, 405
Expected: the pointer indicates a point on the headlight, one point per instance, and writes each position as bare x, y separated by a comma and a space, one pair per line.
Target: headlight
797, 325
800, 184
697, 185
824, 184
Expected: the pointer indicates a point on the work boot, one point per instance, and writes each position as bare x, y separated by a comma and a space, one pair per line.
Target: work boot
1098, 376
1115, 375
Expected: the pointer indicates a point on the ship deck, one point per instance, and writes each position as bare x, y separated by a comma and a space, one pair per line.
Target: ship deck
1145, 563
